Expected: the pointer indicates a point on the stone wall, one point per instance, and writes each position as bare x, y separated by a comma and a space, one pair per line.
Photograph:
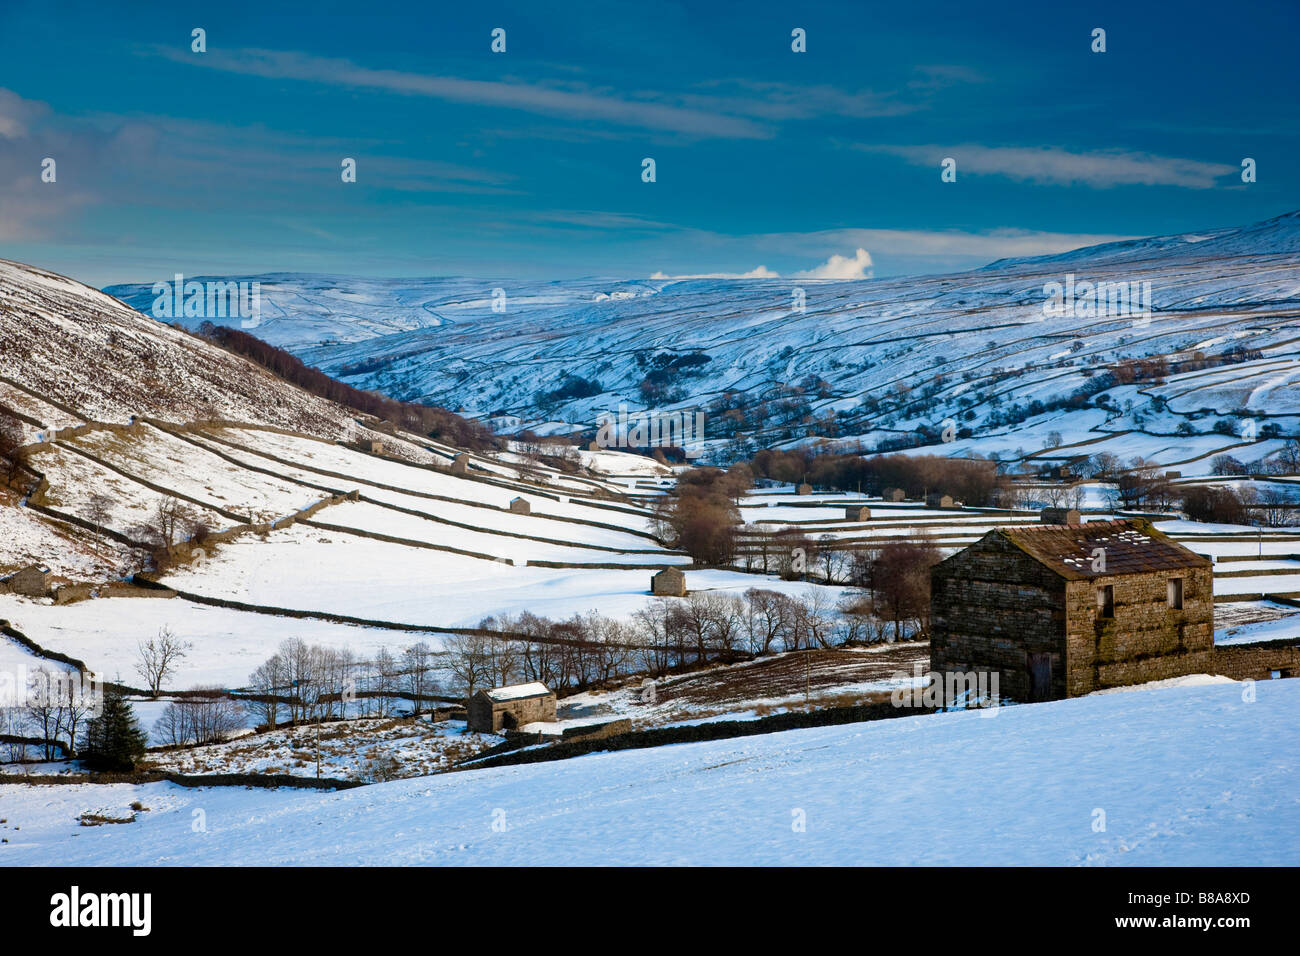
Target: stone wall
1146, 640
991, 608
1257, 661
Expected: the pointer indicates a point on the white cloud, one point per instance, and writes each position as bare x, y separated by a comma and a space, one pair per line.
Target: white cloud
527, 97
762, 272
1100, 169
858, 266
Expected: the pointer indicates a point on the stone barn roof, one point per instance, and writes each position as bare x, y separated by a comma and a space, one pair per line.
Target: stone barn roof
517, 691
1132, 547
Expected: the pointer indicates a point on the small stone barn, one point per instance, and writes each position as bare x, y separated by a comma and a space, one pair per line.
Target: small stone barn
857, 513
1061, 611
669, 583
804, 489
936, 500
31, 581
460, 464
893, 494
520, 506
1060, 516
509, 708
376, 448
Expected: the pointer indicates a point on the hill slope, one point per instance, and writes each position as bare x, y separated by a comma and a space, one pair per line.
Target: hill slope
877, 361
1183, 776
77, 354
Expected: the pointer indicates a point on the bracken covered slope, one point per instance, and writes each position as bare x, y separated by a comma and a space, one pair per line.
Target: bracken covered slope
70, 351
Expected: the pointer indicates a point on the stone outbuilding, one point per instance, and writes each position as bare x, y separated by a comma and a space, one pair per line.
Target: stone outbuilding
31, 581
669, 582
936, 500
804, 489
460, 464
893, 494
520, 506
1060, 516
857, 513
509, 708
1061, 611
376, 448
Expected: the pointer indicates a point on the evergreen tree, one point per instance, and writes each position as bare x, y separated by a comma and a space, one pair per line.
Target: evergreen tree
113, 740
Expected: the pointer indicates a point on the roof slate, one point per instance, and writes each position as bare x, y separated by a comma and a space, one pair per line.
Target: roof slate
1131, 546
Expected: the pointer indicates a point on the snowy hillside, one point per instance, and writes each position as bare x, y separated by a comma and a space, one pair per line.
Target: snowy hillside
69, 354
1174, 776
883, 361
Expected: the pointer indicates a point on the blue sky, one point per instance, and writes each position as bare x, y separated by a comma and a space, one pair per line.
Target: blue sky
528, 163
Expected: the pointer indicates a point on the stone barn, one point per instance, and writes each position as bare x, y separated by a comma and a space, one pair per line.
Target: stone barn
509, 708
1061, 611
857, 513
1060, 516
804, 489
669, 583
520, 506
376, 448
936, 500
893, 494
460, 464
31, 581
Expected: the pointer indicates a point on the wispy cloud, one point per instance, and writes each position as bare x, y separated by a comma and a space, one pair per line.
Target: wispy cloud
951, 245
723, 109
574, 101
1099, 169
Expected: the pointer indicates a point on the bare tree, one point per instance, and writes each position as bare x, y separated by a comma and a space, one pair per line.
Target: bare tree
418, 661
831, 559
13, 725
99, 511
384, 685
165, 522
159, 657
467, 659
208, 717
47, 712
267, 682
813, 612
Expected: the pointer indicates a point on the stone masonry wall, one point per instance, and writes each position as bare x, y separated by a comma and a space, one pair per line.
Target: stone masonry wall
991, 608
1146, 640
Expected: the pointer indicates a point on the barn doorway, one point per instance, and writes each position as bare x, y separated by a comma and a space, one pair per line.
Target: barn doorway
1040, 676
508, 721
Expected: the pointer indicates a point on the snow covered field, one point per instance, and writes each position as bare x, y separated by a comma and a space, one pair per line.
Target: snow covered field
228, 645
1187, 775
310, 569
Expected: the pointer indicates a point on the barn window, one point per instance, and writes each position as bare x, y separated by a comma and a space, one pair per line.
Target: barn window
1176, 593
1106, 601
